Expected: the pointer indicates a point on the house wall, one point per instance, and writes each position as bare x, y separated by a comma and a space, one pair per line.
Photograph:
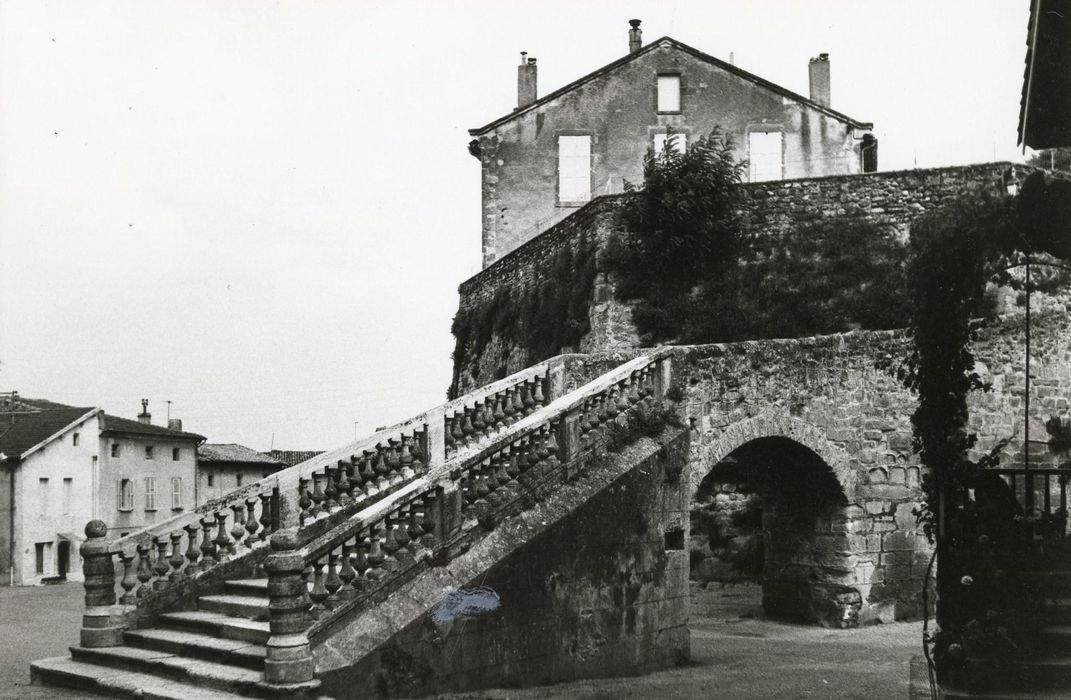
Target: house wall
619, 110
132, 464
225, 478
40, 512
6, 478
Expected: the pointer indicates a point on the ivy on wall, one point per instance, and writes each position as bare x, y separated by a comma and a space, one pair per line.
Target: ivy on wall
539, 320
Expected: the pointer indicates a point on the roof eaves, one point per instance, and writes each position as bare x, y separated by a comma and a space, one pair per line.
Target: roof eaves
688, 49
81, 419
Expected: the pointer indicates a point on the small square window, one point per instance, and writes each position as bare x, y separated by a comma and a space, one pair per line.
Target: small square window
148, 451
211, 479
115, 449
669, 93
74, 439
175, 454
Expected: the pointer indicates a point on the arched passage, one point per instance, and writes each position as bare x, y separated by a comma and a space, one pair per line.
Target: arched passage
773, 510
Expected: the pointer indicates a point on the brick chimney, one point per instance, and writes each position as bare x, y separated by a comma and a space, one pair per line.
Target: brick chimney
145, 417
174, 424
819, 74
635, 36
526, 81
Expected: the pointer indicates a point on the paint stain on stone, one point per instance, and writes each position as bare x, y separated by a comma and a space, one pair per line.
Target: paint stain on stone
465, 604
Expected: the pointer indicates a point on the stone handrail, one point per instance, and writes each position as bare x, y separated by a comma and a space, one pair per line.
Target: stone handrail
193, 552
350, 562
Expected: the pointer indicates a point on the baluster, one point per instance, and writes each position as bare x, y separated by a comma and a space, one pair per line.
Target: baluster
467, 484
375, 557
390, 546
266, 520
332, 583
354, 477
144, 571
448, 434
368, 474
532, 452
238, 530
419, 458
541, 449
382, 469
482, 489
510, 463
251, 524
507, 409
330, 492
342, 485
518, 403
394, 462
498, 414
458, 431
318, 594
317, 496
479, 426
406, 460
526, 399
161, 567
130, 580
208, 547
223, 541
414, 529
347, 574
634, 388
360, 562
467, 428
428, 520
304, 500
552, 445
306, 584
193, 552
404, 555
502, 477
538, 396
601, 416
611, 404
176, 560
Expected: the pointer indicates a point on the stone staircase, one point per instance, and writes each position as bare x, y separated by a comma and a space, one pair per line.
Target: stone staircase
235, 598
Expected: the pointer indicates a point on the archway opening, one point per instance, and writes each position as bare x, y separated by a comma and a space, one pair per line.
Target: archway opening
772, 513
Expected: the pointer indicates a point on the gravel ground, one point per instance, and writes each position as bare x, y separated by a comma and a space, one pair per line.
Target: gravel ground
735, 653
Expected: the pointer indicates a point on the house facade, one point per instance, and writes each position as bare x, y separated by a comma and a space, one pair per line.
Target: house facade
48, 473
553, 154
148, 473
223, 468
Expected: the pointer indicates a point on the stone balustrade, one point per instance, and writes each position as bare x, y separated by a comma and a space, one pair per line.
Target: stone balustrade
322, 571
480, 418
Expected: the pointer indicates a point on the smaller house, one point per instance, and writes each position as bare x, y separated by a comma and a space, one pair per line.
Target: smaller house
48, 474
292, 457
226, 467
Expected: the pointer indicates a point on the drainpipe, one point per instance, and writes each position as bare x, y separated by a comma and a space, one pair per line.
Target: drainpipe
11, 530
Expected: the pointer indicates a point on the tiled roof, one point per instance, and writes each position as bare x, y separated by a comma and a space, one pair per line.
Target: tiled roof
292, 457
26, 430
231, 452
112, 424
1045, 106
707, 58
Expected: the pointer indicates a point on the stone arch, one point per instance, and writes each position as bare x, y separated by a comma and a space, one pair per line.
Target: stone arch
772, 425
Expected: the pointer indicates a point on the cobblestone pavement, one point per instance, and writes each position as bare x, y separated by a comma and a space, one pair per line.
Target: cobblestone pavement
735, 653
37, 622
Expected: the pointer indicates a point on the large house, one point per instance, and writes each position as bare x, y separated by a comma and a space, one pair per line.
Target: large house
554, 153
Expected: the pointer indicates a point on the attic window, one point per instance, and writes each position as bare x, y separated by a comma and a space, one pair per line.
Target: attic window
669, 93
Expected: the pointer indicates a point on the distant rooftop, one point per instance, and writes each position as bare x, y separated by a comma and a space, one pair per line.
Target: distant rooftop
114, 424
292, 457
22, 432
234, 453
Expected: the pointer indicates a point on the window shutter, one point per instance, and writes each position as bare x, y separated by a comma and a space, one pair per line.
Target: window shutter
119, 494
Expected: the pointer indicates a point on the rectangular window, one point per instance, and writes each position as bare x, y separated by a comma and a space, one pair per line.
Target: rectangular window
150, 493
68, 491
679, 142
124, 494
42, 557
238, 480
211, 479
42, 494
175, 453
148, 451
574, 168
765, 159
115, 449
74, 439
176, 492
669, 93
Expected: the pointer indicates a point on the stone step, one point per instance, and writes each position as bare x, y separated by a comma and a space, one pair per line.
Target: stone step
1046, 673
194, 672
248, 587
114, 682
230, 651
1056, 639
1058, 612
247, 606
217, 625
1048, 582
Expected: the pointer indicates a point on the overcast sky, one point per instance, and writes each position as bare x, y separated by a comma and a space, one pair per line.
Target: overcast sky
261, 210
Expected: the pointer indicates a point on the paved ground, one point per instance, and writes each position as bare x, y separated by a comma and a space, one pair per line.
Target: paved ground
735, 653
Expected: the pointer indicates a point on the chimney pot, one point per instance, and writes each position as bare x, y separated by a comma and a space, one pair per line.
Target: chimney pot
818, 72
635, 36
145, 417
526, 81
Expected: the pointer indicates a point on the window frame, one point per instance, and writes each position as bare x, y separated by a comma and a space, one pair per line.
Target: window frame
176, 453
176, 493
124, 495
75, 439
665, 134
659, 77
114, 450
150, 493
568, 134
68, 494
150, 453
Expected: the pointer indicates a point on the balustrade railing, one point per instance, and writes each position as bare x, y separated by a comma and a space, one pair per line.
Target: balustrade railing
317, 576
189, 553
1042, 494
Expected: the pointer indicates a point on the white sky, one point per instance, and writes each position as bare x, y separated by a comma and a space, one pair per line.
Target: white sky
262, 210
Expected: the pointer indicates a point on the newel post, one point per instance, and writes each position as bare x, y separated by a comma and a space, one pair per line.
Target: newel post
289, 657
555, 379
103, 621
569, 442
663, 376
436, 438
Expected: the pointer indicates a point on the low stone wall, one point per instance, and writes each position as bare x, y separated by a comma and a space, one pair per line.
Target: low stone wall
601, 591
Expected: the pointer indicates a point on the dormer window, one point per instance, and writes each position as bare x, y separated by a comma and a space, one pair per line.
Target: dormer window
669, 93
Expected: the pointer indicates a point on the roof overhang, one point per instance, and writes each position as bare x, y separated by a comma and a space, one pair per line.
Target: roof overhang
1045, 107
77, 421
